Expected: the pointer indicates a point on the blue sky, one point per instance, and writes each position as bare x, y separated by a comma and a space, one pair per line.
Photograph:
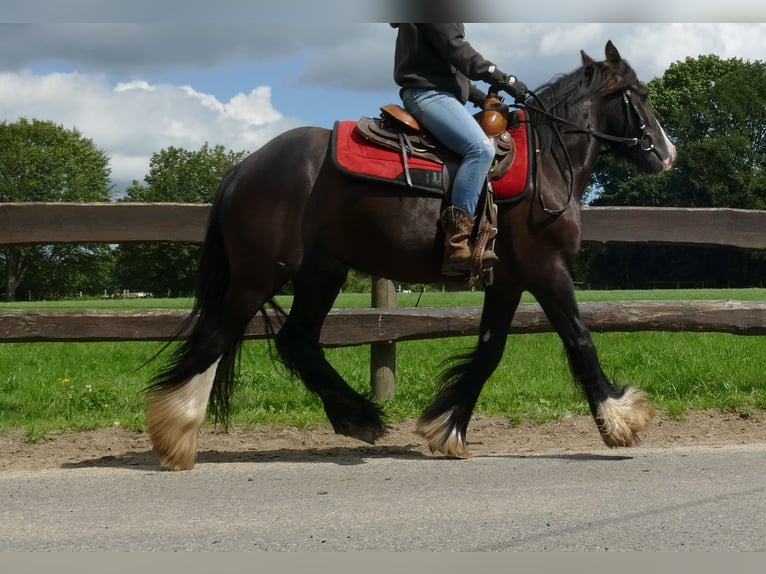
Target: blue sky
141, 76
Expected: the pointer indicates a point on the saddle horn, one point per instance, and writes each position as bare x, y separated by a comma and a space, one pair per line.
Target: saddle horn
494, 115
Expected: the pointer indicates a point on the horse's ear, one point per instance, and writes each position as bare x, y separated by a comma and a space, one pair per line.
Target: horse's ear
586, 59
612, 55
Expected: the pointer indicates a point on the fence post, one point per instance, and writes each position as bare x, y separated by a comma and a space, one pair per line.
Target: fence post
383, 355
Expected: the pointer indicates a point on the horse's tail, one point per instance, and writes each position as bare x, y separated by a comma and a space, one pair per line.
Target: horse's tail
206, 342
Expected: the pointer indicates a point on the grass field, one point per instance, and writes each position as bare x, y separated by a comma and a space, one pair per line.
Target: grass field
46, 387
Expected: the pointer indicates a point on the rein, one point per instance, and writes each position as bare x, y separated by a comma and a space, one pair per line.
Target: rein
646, 136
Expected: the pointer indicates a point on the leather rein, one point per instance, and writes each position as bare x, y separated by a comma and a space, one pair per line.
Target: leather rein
644, 141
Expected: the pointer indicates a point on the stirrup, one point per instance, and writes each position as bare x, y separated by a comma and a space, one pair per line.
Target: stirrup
488, 261
456, 268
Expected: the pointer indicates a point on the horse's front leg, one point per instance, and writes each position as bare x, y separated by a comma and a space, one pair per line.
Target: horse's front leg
444, 424
620, 414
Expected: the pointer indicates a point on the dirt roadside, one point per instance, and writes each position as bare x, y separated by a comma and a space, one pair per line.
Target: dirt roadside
115, 447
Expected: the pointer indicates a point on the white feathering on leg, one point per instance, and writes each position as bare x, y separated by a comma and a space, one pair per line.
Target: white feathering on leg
621, 419
441, 441
174, 417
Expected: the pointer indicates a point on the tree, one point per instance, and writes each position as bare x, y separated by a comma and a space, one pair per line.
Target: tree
715, 112
69, 270
175, 175
43, 161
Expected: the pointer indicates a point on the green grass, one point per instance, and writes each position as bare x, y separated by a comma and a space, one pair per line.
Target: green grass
45, 387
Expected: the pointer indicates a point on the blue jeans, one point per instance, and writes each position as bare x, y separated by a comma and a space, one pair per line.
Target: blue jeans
442, 114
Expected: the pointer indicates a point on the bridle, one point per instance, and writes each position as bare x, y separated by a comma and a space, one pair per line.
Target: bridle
645, 141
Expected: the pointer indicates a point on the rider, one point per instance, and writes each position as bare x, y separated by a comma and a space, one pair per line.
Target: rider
433, 64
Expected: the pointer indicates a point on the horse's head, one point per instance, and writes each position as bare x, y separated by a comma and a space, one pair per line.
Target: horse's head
629, 125
600, 103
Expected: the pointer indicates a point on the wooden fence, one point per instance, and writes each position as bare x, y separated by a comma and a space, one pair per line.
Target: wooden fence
44, 223
383, 325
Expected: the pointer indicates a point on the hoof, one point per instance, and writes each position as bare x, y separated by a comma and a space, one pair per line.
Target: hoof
178, 455
174, 416
174, 440
620, 419
356, 417
368, 434
443, 437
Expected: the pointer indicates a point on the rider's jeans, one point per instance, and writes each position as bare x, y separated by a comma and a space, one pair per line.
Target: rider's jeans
442, 114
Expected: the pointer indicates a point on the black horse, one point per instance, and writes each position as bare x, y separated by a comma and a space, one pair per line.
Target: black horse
287, 213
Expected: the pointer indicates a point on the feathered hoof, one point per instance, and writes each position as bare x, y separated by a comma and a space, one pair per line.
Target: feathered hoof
174, 416
174, 437
443, 437
619, 420
178, 454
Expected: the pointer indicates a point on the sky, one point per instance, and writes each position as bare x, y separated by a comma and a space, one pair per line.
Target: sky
139, 77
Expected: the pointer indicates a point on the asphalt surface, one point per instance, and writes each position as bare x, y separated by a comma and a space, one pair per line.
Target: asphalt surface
681, 499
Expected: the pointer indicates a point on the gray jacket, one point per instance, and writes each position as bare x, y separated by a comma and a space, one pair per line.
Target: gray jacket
437, 56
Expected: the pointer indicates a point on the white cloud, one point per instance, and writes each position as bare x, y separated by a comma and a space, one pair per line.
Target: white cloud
132, 120
538, 51
569, 39
676, 42
133, 85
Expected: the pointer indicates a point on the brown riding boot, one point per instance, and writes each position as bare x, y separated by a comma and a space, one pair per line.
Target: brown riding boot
457, 226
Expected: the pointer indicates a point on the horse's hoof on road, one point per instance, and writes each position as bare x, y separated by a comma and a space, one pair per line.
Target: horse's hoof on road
620, 419
443, 438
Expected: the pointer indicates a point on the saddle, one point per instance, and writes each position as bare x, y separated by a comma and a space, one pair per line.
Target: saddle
397, 130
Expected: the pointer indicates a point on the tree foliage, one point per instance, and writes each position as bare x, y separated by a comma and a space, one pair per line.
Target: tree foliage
43, 161
175, 175
715, 112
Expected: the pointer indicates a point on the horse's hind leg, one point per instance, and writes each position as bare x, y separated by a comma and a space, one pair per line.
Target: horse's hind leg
444, 424
177, 402
316, 287
620, 414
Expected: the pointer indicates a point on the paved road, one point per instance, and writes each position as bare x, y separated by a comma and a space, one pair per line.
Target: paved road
642, 499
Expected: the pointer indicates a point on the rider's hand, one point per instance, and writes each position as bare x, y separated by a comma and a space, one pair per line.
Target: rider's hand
509, 83
515, 87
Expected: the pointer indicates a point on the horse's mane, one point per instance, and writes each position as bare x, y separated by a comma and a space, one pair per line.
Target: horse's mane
560, 96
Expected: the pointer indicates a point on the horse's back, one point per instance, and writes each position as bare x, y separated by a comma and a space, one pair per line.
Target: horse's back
290, 155
280, 173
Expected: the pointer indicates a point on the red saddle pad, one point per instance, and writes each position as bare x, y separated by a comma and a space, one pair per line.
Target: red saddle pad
356, 155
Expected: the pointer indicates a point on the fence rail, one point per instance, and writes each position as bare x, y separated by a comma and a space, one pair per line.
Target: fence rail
348, 327
43, 223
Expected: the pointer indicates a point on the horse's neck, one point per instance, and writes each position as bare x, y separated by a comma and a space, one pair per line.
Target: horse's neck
580, 148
